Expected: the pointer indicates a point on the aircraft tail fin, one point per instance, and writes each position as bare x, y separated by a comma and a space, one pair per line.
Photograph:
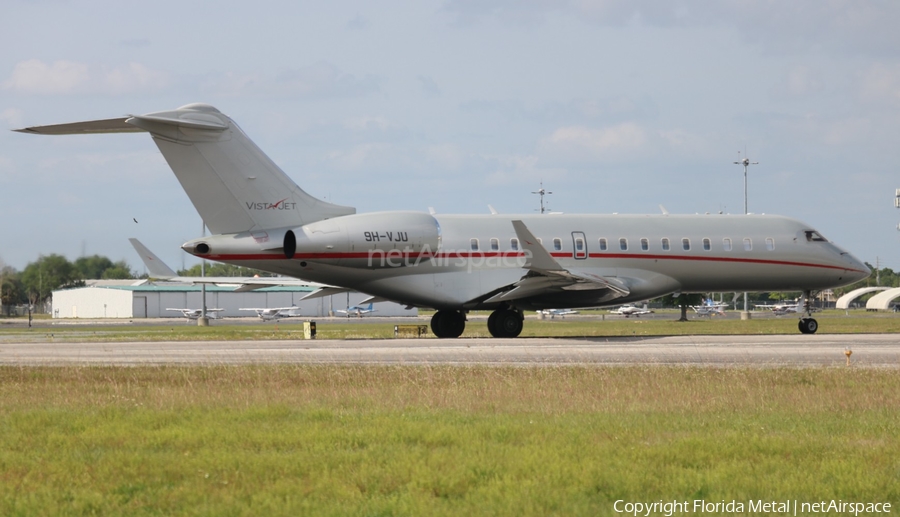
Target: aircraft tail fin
156, 267
233, 185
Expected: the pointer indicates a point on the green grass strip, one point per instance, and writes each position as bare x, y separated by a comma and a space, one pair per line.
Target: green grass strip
390, 440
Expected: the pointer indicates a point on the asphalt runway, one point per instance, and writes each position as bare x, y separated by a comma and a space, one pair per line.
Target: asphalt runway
869, 350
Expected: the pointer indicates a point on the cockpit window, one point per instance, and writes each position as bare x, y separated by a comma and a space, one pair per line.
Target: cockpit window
814, 236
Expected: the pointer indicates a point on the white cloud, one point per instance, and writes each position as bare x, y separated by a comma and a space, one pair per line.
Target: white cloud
321, 80
13, 117
580, 143
367, 123
518, 170
684, 143
881, 83
357, 158
35, 76
800, 81
832, 25
69, 77
445, 156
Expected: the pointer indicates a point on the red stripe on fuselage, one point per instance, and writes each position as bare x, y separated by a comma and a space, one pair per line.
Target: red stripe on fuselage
513, 254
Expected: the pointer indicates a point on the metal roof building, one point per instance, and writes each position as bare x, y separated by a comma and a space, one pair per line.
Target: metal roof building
152, 300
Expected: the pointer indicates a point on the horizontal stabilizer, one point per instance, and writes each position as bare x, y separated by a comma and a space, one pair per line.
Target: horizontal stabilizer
110, 125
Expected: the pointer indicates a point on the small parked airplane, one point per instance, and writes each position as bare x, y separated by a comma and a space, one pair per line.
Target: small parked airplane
193, 314
781, 310
506, 264
710, 308
631, 310
357, 310
562, 313
278, 313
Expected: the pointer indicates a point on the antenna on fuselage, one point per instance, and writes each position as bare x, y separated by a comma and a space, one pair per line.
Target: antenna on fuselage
542, 192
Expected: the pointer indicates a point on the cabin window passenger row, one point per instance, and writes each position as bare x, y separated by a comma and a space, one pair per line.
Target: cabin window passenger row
645, 244
557, 244
770, 243
474, 244
602, 244
623, 244
665, 244
495, 244
686, 244
579, 245
706, 245
748, 244
514, 244
726, 244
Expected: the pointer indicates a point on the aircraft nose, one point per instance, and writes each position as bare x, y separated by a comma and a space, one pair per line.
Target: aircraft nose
856, 269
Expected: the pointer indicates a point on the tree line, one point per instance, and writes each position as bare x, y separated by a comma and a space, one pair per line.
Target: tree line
35, 284
49, 273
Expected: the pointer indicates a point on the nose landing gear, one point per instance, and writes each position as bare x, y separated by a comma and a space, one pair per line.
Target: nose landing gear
807, 324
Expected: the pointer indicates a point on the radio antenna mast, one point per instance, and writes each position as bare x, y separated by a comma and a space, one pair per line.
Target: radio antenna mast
542, 192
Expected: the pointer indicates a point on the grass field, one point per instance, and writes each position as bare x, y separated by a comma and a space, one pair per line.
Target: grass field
370, 440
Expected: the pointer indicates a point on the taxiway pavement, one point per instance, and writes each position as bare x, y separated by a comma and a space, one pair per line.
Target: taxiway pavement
868, 350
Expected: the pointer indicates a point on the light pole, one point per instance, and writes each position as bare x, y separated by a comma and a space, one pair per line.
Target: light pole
203, 320
746, 163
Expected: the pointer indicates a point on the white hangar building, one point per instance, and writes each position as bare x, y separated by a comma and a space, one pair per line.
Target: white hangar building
152, 300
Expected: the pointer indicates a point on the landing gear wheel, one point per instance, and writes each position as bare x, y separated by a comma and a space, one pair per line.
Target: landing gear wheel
505, 323
808, 326
448, 324
492, 323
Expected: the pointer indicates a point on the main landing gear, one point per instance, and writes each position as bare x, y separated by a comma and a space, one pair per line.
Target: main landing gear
503, 322
807, 324
506, 323
446, 323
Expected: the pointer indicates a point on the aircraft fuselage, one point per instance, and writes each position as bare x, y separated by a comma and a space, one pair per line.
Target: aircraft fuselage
450, 261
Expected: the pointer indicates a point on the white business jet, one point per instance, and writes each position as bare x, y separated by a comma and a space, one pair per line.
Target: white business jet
457, 263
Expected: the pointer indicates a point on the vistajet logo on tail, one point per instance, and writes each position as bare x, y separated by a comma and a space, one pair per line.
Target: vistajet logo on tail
280, 205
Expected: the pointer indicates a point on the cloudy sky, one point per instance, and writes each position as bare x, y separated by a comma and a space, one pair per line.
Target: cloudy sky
616, 105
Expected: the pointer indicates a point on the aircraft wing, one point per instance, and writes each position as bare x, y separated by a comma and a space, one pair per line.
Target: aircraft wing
545, 274
326, 291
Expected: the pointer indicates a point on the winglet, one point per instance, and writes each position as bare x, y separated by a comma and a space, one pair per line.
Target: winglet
536, 256
156, 267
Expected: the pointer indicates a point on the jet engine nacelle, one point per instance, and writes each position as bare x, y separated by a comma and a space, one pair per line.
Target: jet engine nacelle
374, 240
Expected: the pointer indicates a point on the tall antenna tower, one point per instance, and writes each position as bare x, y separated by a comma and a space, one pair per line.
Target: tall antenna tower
746, 163
542, 192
